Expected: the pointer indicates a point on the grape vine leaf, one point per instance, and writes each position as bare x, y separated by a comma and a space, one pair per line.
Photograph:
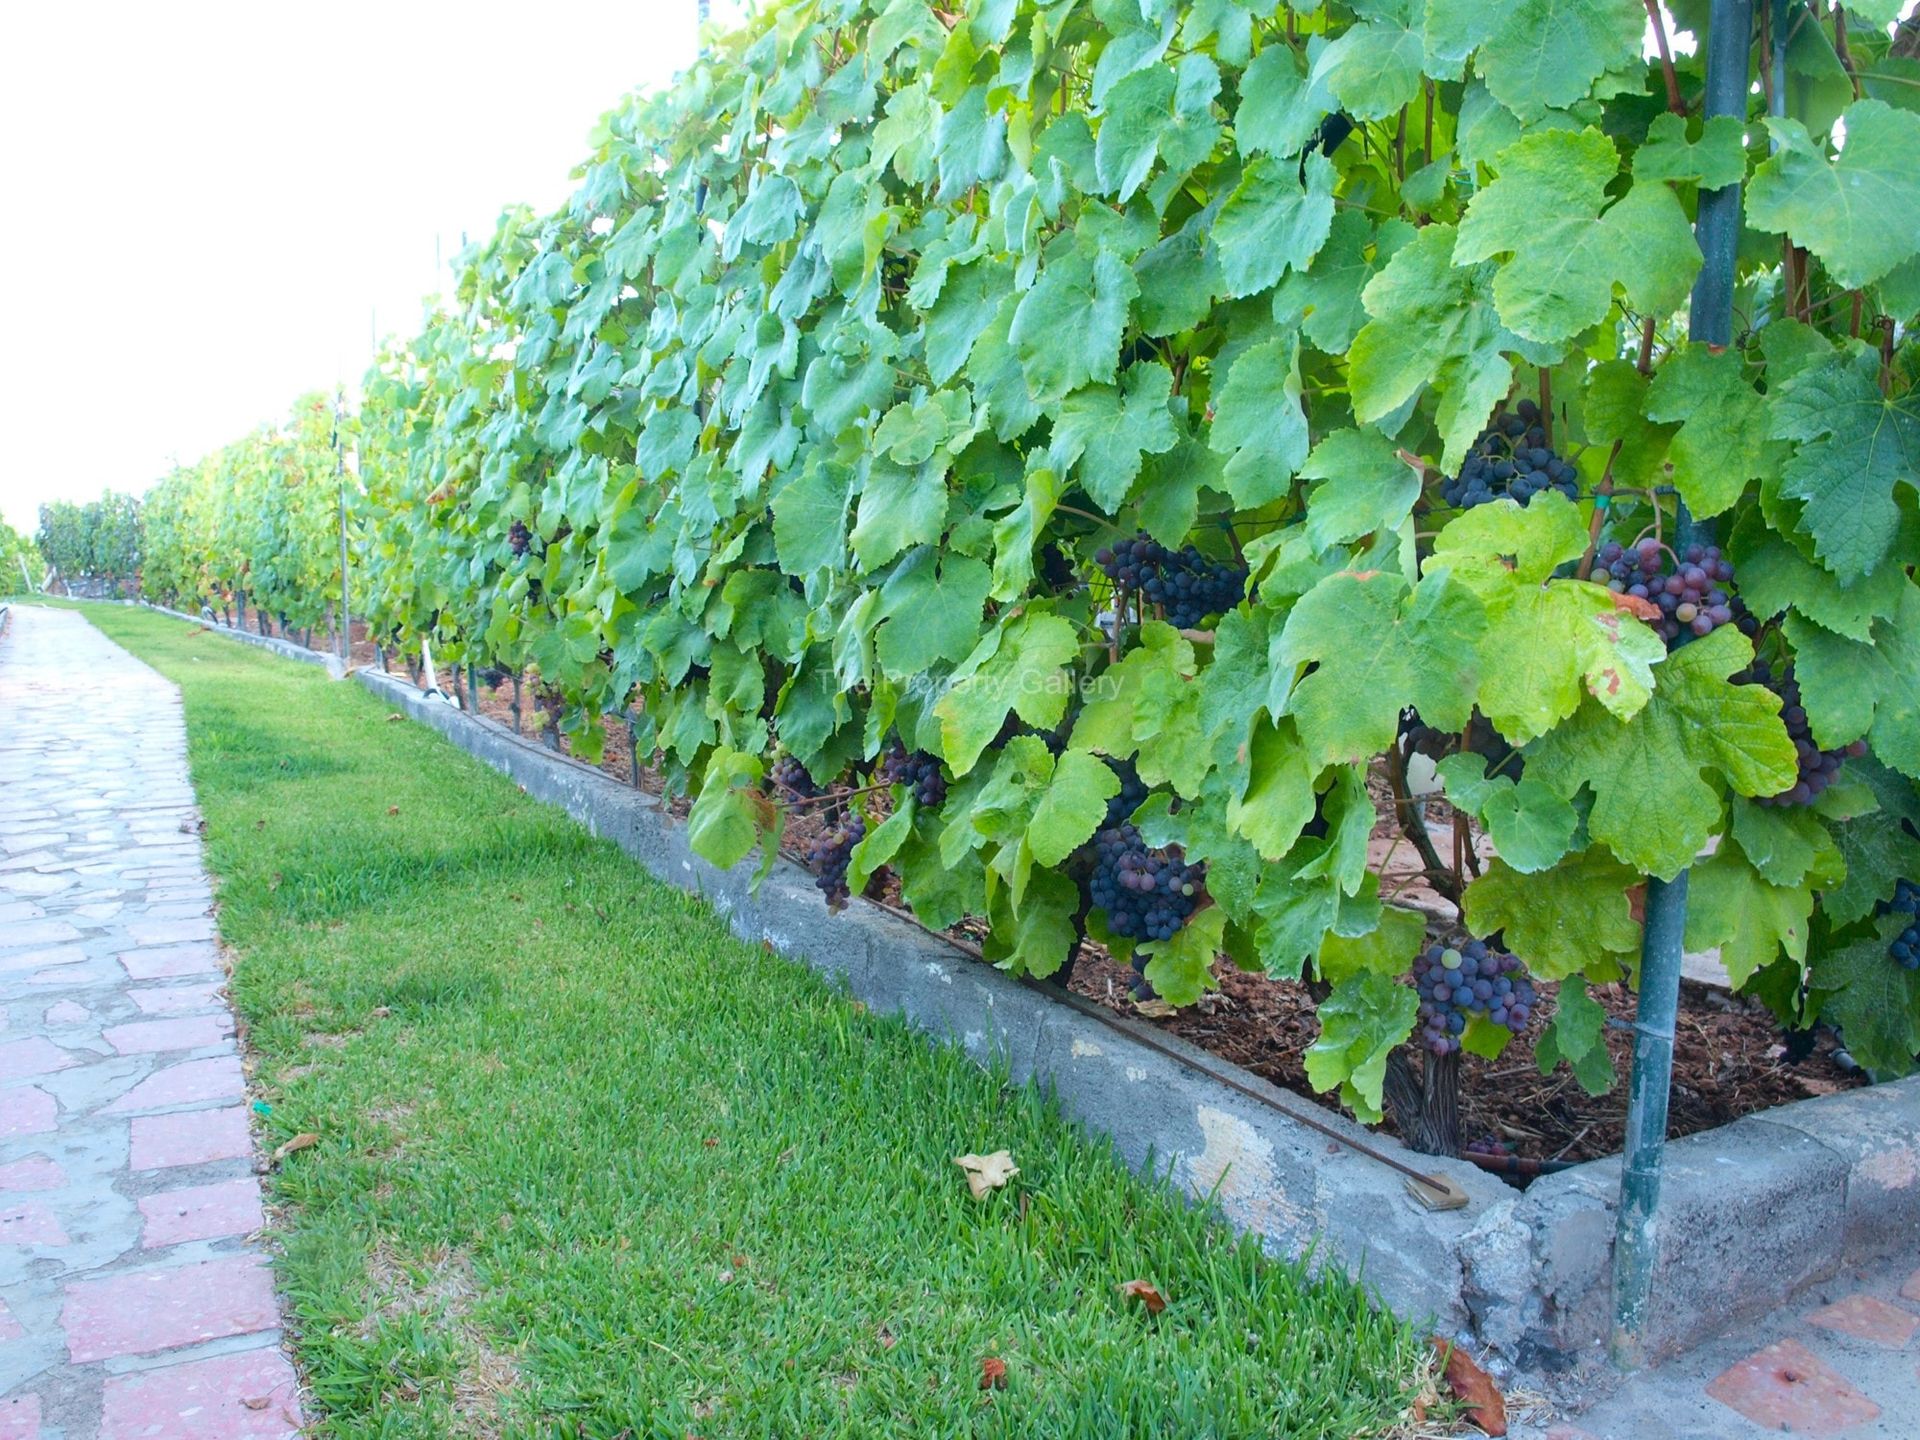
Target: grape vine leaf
1722, 442
1536, 55
1530, 826
1732, 906
1181, 969
1576, 918
730, 812
1774, 576
881, 844
1857, 447
1373, 67
1036, 936
810, 518
1016, 668
900, 506
1072, 807
1850, 689
1717, 159
1152, 113
1360, 1024
1577, 1037
1876, 1002
1110, 429
1431, 323
1278, 800
1856, 212
1365, 486
1324, 300
1577, 642
1653, 806
1614, 409
1387, 949
1258, 422
930, 608
1559, 279
1370, 646
1786, 844
1110, 720
1273, 222
1068, 327
1878, 845
1280, 109
970, 143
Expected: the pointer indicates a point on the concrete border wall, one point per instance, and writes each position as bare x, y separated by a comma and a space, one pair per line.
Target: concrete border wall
1751, 1213
286, 649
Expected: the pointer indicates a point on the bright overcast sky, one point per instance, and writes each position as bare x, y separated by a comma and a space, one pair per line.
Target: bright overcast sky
210, 204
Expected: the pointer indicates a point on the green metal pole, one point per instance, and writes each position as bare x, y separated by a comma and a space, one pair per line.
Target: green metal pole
1636, 1241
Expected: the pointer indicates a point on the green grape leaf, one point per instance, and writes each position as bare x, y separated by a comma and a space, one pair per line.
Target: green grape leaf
1874, 1000
1653, 806
1786, 844
1278, 800
881, 844
1851, 690
1539, 55
1372, 68
1732, 906
1361, 1023
1179, 279
1879, 846
1280, 110
930, 610
1036, 936
970, 144
1112, 428
1073, 806
1067, 329
1387, 949
1722, 441
1273, 223
1565, 256
1111, 721
729, 812
1324, 300
1376, 647
1576, 918
1530, 826
1016, 668
900, 506
1258, 422
1432, 324
1856, 212
1717, 159
1774, 576
810, 518
1577, 642
1615, 410
1857, 448
1181, 969
1365, 487
1576, 1036
1135, 113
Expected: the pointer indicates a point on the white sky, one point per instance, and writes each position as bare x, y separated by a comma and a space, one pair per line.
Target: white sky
209, 203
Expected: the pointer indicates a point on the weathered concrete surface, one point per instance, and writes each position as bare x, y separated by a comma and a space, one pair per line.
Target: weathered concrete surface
131, 1302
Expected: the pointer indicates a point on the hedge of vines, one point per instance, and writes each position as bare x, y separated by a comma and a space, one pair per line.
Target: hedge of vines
256, 524
22, 567
98, 540
1077, 445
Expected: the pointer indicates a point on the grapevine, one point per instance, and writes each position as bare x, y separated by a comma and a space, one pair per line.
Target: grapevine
1690, 590
1511, 459
1146, 894
1458, 983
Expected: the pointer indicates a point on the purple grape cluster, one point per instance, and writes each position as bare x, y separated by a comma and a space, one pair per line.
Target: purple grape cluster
519, 537
1490, 1145
1146, 894
1691, 594
1184, 584
1818, 768
1905, 948
790, 778
1511, 458
830, 853
918, 771
1456, 982
1133, 792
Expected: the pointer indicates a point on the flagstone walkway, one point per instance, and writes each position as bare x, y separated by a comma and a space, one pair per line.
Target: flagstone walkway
132, 1301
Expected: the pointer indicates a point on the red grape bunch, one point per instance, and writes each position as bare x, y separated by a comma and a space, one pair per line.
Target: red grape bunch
1457, 982
1691, 594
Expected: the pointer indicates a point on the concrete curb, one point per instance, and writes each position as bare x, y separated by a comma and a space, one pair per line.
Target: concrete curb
1752, 1212
283, 648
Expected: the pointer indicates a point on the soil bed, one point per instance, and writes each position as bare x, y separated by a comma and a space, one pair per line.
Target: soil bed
1728, 1060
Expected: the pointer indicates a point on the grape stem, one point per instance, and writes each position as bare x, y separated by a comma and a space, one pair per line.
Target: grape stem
1407, 813
1674, 103
833, 797
1599, 520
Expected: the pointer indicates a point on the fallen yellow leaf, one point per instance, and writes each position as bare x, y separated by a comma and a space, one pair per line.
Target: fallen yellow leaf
987, 1173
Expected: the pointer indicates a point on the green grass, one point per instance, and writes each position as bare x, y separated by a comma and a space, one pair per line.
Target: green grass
590, 1166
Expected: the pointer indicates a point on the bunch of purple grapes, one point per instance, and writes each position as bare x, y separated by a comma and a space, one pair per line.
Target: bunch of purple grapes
1692, 594
1490, 1145
1456, 982
1147, 894
1184, 584
1818, 768
1905, 948
918, 771
1133, 792
790, 778
1511, 457
519, 537
830, 853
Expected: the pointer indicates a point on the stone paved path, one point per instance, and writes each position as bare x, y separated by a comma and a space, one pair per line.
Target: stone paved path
131, 1302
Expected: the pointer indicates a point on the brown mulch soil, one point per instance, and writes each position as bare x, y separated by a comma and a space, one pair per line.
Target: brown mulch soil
1728, 1059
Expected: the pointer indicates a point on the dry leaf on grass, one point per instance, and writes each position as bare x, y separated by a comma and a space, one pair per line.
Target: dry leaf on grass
256, 1402
993, 1373
393, 809
305, 1140
1473, 1388
987, 1173
1146, 1293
